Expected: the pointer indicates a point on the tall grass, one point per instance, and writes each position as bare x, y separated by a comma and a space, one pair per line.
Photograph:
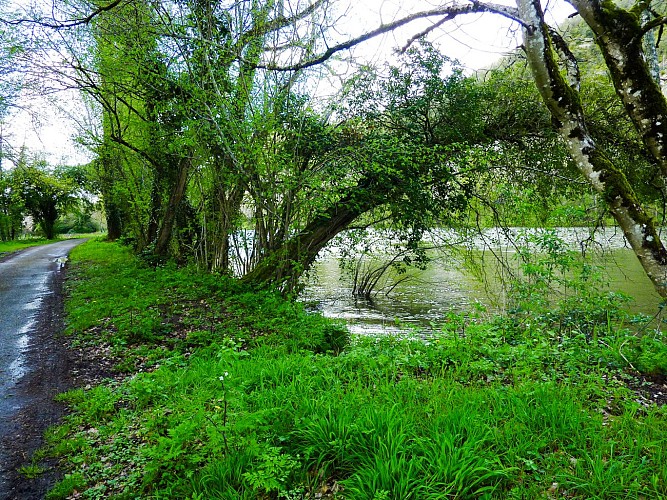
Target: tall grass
243, 395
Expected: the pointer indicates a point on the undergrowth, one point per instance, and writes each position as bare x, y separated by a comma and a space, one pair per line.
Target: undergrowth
222, 392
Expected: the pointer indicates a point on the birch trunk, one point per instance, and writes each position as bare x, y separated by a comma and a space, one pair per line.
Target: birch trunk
563, 100
619, 35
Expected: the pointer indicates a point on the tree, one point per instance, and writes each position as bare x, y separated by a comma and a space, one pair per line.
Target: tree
619, 34
185, 110
45, 196
11, 208
411, 158
196, 122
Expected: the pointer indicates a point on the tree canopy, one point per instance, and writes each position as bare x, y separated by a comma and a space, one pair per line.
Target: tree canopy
212, 147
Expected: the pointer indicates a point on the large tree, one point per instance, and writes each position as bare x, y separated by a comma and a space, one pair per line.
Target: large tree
204, 118
187, 119
45, 195
620, 34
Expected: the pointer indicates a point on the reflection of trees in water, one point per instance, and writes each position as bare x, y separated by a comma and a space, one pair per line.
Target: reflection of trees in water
454, 278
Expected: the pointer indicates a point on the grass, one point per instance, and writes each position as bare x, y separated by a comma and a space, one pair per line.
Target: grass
14, 245
7, 247
221, 392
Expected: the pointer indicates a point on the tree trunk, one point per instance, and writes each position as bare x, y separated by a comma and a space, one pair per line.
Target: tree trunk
114, 220
284, 266
177, 193
48, 226
563, 100
229, 207
619, 35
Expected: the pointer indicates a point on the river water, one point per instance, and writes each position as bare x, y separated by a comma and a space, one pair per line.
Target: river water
449, 285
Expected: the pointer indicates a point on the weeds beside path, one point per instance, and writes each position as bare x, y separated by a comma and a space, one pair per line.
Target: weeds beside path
31, 303
209, 390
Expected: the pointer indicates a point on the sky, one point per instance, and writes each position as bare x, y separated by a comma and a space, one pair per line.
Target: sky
476, 40
46, 131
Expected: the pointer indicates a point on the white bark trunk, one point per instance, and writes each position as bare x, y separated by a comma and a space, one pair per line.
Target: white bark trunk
563, 102
619, 35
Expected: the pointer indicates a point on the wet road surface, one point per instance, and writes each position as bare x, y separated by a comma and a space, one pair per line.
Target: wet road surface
26, 284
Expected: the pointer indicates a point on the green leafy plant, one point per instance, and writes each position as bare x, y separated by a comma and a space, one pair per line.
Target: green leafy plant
499, 407
271, 472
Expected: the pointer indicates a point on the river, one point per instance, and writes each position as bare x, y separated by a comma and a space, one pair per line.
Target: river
448, 285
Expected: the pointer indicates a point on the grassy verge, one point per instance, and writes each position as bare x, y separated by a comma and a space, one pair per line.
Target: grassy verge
220, 392
7, 247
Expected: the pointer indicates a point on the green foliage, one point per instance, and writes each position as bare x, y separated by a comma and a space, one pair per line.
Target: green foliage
32, 189
547, 265
78, 221
538, 182
415, 145
271, 472
150, 304
424, 113
13, 46
71, 482
31, 471
44, 195
650, 353
233, 400
11, 209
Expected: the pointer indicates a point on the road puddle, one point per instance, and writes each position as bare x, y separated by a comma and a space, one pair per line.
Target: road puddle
33, 305
17, 368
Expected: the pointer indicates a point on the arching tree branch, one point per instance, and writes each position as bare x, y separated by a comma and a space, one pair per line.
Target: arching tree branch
449, 11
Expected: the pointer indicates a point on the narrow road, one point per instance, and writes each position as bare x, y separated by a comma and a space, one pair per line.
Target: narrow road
30, 304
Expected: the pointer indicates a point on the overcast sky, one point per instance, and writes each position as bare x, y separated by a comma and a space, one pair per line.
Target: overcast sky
476, 40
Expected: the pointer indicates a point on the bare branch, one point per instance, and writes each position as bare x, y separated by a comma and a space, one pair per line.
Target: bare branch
423, 34
274, 24
657, 22
69, 23
450, 12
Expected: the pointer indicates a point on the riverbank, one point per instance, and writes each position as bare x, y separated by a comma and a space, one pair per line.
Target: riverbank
209, 390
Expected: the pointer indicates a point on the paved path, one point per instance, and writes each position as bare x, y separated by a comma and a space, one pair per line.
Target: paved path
26, 285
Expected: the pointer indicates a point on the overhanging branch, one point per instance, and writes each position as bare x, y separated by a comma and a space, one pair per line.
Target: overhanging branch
654, 23
450, 12
69, 23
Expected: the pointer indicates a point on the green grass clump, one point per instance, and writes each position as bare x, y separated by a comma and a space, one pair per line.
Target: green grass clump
222, 392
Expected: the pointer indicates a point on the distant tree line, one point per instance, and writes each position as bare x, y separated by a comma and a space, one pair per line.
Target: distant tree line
31, 189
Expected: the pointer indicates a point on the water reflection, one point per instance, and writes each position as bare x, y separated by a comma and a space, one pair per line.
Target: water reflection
448, 286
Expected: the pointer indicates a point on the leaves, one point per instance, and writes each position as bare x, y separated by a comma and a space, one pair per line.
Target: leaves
42, 194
